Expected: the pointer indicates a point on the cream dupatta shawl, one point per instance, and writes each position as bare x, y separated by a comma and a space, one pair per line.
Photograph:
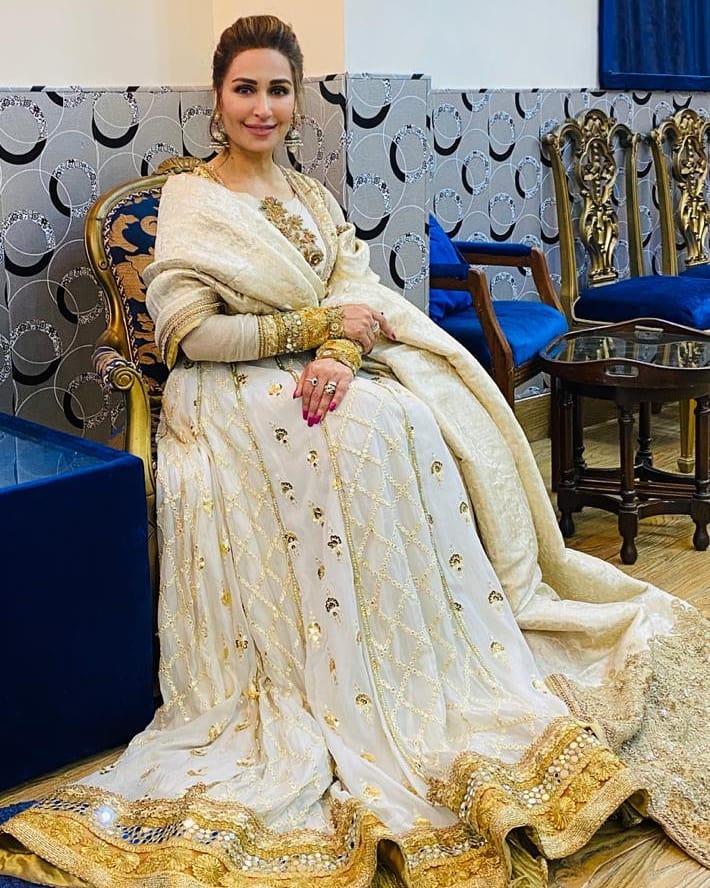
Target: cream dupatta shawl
627, 659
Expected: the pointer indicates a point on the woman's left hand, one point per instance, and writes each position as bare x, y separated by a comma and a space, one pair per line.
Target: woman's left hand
321, 387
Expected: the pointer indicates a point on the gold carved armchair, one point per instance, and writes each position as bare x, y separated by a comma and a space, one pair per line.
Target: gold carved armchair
588, 156
120, 236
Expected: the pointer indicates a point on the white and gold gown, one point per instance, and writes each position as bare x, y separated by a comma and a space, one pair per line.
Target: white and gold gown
350, 679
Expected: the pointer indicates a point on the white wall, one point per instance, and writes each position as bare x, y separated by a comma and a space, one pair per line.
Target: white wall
105, 43
476, 43
318, 25
460, 43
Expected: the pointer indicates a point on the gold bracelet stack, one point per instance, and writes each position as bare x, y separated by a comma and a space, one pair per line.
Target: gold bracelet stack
286, 332
346, 351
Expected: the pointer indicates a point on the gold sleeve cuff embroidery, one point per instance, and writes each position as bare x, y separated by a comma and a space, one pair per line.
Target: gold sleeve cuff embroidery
182, 323
298, 331
343, 350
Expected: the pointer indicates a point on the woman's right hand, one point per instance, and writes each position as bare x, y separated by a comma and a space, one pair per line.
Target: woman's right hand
363, 324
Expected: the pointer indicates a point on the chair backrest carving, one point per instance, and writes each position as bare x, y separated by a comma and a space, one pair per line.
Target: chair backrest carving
594, 138
686, 133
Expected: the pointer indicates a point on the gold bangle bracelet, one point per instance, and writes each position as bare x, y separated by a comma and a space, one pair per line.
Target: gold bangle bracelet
289, 332
345, 351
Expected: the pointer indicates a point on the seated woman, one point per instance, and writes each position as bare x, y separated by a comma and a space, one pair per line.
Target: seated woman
356, 690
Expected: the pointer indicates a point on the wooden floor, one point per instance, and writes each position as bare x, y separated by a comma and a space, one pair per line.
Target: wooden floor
640, 857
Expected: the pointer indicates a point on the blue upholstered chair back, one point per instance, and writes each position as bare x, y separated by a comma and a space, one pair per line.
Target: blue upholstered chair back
129, 242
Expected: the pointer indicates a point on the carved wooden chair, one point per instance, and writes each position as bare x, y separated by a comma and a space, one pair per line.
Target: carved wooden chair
604, 297
119, 235
679, 146
506, 336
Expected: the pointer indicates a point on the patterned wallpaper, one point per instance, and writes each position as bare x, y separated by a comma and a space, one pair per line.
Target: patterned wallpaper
58, 151
390, 164
387, 146
493, 181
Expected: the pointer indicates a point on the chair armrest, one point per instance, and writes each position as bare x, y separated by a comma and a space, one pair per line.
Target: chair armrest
492, 249
456, 270
115, 370
518, 256
123, 376
498, 346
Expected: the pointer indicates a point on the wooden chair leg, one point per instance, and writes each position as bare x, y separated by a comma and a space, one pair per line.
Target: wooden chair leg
686, 460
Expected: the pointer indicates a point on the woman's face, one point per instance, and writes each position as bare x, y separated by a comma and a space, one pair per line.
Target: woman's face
257, 100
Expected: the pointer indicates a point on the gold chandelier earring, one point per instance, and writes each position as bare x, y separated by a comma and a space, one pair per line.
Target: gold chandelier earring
293, 138
218, 137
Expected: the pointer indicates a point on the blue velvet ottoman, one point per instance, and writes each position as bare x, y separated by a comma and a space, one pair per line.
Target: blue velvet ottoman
75, 600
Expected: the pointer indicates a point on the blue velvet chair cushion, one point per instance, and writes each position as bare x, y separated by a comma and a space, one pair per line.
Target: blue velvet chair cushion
681, 300
697, 271
528, 326
443, 252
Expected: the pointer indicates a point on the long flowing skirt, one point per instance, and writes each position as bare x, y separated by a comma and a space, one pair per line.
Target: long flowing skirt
343, 679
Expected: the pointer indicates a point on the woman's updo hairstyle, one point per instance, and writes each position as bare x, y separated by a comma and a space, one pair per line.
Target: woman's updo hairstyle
255, 32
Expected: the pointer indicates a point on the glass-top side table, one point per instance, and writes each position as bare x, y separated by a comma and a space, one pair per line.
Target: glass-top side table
626, 348
634, 364
26, 455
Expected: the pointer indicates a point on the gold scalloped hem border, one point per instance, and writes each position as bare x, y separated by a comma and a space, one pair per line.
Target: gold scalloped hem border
90, 862
624, 787
180, 865
690, 841
563, 788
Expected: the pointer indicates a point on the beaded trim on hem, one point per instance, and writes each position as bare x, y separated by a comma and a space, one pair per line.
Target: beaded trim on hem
562, 789
198, 841
654, 712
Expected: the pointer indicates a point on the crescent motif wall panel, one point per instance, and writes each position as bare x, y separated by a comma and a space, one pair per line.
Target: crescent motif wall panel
387, 147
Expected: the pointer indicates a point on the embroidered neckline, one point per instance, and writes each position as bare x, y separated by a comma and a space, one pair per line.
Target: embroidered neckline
289, 224
292, 227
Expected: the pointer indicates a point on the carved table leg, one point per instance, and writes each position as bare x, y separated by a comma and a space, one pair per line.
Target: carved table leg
578, 435
685, 460
628, 508
567, 469
644, 456
701, 498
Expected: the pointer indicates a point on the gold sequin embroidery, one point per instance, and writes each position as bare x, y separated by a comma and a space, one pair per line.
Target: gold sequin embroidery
314, 633
292, 227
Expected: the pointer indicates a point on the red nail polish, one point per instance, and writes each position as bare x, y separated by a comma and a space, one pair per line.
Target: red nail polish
332, 405
316, 420
305, 414
310, 421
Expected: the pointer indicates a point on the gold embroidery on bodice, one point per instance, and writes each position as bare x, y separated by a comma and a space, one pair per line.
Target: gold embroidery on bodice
292, 227
289, 224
